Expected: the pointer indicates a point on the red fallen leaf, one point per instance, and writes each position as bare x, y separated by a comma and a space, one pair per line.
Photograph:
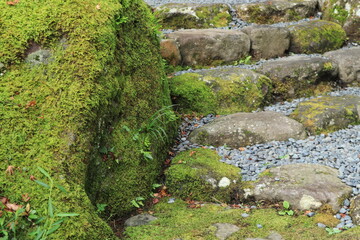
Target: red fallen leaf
217, 116
242, 149
30, 104
155, 200
342, 215
192, 153
203, 147
25, 197
10, 170
306, 212
167, 162
12, 3
32, 178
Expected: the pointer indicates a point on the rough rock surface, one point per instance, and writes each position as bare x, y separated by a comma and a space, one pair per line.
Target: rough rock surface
276, 11
316, 37
267, 41
211, 46
296, 76
170, 51
225, 230
355, 209
242, 129
349, 64
41, 56
272, 236
141, 219
187, 15
328, 113
304, 186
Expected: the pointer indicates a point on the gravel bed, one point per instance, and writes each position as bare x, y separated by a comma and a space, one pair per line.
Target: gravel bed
340, 149
156, 3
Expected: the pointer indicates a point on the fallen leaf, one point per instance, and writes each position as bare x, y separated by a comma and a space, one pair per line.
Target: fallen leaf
196, 125
155, 200
30, 104
242, 149
25, 197
98, 7
11, 207
151, 212
27, 208
192, 153
32, 178
10, 170
180, 161
12, 3
4, 200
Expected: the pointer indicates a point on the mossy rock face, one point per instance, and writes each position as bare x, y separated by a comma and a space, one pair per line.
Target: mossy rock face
199, 175
344, 12
316, 37
182, 15
220, 91
300, 76
327, 114
61, 114
270, 12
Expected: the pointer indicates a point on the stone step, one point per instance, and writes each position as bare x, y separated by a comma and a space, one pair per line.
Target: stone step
209, 47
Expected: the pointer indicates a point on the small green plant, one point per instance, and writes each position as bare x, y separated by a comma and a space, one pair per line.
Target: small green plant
286, 210
100, 207
332, 231
138, 202
8, 223
246, 60
120, 19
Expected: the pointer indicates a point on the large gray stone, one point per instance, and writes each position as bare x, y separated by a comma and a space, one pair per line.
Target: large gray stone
348, 60
242, 129
328, 113
188, 15
268, 41
276, 11
138, 220
41, 56
225, 230
304, 186
298, 75
355, 209
211, 46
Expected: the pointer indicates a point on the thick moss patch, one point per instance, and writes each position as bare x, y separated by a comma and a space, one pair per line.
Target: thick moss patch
176, 220
316, 37
200, 175
104, 72
221, 92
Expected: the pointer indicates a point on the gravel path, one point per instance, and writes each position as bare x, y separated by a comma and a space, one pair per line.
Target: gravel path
340, 149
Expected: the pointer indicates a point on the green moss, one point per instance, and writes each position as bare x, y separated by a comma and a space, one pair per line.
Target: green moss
176, 220
327, 219
58, 115
212, 94
316, 37
186, 177
190, 94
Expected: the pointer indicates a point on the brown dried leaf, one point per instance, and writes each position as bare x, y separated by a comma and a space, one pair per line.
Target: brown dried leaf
10, 170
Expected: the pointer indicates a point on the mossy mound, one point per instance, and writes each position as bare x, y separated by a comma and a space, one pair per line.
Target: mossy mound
181, 15
221, 91
327, 114
199, 175
65, 115
316, 37
178, 221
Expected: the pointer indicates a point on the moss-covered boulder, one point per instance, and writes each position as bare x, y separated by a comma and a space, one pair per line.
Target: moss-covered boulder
220, 91
344, 12
198, 174
325, 114
316, 37
299, 76
186, 15
66, 114
268, 12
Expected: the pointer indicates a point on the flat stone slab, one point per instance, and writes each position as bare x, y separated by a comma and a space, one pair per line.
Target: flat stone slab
243, 129
225, 230
190, 15
211, 46
298, 75
304, 186
348, 60
355, 209
328, 113
276, 11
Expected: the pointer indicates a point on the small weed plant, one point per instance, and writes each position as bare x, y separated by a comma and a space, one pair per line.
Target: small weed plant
138, 202
286, 210
246, 60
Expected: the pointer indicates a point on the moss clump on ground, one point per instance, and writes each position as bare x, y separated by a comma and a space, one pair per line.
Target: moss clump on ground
198, 173
211, 94
316, 37
105, 71
176, 220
